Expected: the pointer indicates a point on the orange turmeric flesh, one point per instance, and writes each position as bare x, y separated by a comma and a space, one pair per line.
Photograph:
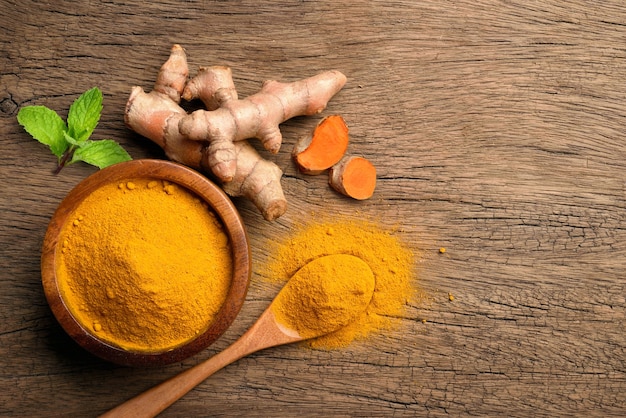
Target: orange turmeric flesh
354, 177
324, 148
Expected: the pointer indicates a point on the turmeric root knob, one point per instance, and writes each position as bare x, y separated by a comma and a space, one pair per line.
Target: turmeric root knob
258, 180
354, 177
257, 116
173, 74
155, 115
324, 148
213, 85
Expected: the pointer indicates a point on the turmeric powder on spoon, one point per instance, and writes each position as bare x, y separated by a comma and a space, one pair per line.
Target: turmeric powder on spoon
335, 290
391, 261
145, 265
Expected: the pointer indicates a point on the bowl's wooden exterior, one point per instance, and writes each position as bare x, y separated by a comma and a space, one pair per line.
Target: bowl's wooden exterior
197, 184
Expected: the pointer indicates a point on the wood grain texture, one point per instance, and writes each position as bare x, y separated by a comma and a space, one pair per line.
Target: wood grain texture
497, 129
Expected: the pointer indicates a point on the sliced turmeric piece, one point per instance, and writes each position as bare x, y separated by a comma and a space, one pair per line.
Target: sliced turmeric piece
354, 177
324, 148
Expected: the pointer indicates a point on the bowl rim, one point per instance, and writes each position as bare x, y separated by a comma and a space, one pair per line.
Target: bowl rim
196, 183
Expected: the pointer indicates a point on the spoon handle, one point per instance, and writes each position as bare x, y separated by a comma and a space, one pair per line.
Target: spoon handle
263, 334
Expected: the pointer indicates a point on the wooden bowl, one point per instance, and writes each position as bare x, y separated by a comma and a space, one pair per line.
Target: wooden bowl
195, 183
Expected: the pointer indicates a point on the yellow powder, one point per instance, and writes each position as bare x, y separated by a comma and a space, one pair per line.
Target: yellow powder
325, 295
144, 265
389, 259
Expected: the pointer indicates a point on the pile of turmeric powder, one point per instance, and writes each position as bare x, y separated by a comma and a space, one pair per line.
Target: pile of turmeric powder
391, 261
325, 295
144, 265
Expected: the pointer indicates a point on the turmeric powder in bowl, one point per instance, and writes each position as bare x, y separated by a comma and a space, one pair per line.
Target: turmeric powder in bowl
145, 266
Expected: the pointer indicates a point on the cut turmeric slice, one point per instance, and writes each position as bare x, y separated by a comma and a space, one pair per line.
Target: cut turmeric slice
324, 148
354, 177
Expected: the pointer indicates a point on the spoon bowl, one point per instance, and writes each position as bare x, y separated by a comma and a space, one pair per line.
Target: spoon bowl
274, 327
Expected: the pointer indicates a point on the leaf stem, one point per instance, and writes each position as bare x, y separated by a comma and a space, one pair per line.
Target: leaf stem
67, 156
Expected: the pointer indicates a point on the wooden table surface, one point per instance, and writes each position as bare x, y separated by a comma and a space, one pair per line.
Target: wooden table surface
498, 130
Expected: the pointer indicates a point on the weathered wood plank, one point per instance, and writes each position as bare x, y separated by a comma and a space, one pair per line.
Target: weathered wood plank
498, 132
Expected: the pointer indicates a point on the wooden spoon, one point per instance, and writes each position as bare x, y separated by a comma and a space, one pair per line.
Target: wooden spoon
267, 331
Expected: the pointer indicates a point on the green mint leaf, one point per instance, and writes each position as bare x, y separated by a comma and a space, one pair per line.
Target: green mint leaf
70, 142
69, 139
84, 114
101, 153
46, 126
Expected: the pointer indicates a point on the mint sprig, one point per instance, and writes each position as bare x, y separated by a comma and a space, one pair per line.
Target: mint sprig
70, 142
